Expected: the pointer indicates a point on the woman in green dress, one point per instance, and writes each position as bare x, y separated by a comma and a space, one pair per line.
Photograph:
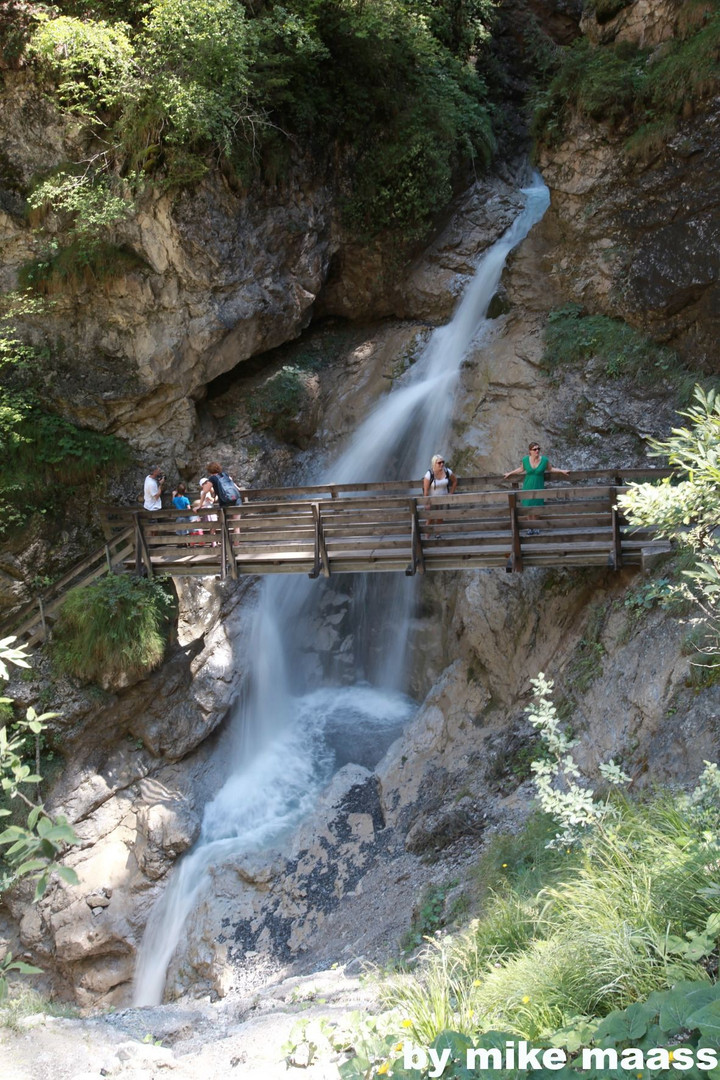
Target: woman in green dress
534, 466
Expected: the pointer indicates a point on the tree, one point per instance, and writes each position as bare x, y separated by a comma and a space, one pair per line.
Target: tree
33, 850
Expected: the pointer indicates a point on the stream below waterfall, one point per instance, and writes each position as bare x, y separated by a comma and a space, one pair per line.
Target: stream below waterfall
291, 730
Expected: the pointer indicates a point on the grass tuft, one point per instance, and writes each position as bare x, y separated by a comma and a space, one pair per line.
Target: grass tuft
114, 630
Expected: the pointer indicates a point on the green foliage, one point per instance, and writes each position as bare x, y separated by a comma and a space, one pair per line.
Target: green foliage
385, 88
63, 268
113, 630
80, 212
428, 916
650, 594
195, 60
92, 202
557, 775
41, 450
685, 509
91, 61
32, 850
630, 912
23, 1001
620, 84
668, 1030
617, 350
279, 399
601, 84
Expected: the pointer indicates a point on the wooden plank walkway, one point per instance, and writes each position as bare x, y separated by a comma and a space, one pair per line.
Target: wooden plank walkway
365, 528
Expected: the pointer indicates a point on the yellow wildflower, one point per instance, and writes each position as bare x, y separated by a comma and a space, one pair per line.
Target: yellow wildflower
406, 1023
399, 1047
525, 1000
671, 1055
384, 1069
477, 982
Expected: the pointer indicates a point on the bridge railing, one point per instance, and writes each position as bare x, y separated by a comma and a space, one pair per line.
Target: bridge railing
615, 476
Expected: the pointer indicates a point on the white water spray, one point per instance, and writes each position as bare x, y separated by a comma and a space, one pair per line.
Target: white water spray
284, 754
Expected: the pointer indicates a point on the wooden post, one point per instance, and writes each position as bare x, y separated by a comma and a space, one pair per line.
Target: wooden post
228, 553
516, 557
108, 557
417, 557
616, 554
321, 555
42, 618
142, 555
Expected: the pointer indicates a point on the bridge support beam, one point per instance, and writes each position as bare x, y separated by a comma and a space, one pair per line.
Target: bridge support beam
142, 555
227, 555
515, 562
417, 558
616, 553
321, 555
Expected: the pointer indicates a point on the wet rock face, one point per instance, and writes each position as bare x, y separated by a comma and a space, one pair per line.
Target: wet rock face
264, 909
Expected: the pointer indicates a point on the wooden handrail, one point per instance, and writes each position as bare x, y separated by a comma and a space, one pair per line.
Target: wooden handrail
614, 476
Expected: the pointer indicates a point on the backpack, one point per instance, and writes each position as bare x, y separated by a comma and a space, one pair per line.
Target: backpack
227, 491
430, 475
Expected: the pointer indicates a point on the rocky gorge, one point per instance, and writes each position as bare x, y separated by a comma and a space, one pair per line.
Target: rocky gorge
231, 289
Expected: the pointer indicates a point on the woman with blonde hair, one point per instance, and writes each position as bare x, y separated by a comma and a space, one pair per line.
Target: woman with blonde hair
438, 480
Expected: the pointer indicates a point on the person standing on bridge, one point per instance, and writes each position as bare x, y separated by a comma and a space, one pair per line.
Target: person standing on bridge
227, 491
535, 466
152, 492
438, 480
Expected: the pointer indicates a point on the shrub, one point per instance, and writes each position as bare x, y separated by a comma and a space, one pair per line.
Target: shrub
573, 337
75, 264
91, 61
628, 915
384, 88
113, 631
619, 83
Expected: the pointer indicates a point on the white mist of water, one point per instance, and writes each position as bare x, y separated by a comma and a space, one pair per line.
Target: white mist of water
284, 755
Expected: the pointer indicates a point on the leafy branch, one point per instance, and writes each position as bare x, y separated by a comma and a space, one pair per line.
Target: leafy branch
33, 850
557, 776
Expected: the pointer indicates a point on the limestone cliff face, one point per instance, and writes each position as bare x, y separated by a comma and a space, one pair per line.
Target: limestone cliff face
638, 238
220, 275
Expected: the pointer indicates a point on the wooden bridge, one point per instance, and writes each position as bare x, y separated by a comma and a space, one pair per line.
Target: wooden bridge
366, 528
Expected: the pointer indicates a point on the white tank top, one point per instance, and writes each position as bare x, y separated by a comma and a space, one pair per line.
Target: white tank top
439, 487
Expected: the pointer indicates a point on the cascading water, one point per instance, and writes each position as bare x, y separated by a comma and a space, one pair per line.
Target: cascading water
289, 732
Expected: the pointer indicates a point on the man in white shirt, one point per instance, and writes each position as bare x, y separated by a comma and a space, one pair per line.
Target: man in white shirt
153, 489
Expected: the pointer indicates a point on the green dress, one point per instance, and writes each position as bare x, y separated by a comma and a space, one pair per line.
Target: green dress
534, 479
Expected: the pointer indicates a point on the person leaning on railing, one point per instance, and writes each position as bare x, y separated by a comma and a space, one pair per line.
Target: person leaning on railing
535, 466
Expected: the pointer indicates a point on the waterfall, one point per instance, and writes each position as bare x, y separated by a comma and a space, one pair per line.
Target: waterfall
283, 754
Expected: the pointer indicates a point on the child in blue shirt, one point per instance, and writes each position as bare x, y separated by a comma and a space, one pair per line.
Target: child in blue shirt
181, 502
